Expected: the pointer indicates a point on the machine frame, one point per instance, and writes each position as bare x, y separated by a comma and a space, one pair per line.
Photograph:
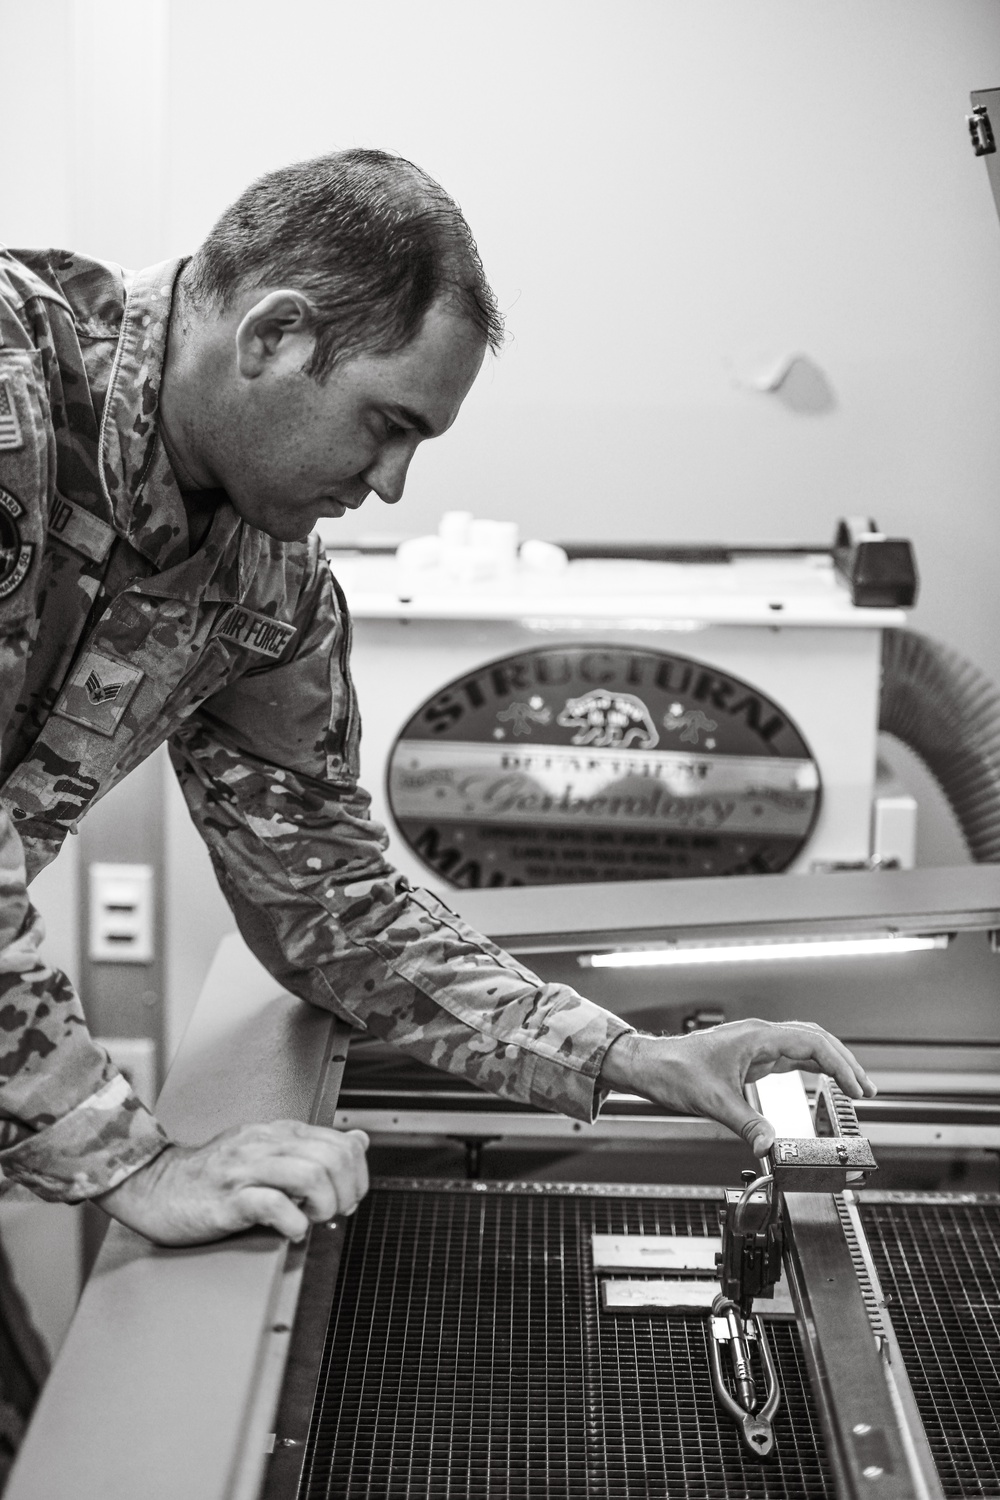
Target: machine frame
170, 1378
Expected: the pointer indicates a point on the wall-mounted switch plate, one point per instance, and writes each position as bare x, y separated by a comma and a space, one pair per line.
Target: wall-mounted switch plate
121, 913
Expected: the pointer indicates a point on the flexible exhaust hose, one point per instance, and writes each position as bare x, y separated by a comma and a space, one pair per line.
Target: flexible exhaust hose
948, 712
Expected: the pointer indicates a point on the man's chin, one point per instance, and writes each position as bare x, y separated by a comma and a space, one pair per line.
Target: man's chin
291, 523
285, 526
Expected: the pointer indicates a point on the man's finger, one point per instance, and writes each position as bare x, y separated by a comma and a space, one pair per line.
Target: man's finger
312, 1185
336, 1152
358, 1142
848, 1057
274, 1210
732, 1110
300, 1129
815, 1051
341, 1155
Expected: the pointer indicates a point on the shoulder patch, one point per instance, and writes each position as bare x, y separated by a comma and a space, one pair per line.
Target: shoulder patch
98, 692
15, 555
257, 632
11, 436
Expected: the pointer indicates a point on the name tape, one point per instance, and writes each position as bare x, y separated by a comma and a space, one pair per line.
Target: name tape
78, 529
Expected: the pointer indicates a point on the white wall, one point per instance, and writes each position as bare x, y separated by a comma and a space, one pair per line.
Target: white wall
657, 186
36, 54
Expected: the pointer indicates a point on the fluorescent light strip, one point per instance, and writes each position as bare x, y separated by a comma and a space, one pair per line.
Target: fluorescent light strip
764, 952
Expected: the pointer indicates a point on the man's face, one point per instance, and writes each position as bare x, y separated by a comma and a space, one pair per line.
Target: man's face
293, 449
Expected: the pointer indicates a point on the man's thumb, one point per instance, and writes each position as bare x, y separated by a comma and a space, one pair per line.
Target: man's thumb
757, 1132
730, 1108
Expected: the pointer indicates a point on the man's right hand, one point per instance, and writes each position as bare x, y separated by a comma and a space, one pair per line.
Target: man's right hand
282, 1175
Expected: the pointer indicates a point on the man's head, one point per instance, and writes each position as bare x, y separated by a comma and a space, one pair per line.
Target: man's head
337, 314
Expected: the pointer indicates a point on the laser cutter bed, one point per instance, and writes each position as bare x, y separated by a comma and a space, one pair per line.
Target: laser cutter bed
457, 1337
464, 1349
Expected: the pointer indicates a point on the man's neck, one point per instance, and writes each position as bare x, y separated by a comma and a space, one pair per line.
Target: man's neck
181, 405
184, 398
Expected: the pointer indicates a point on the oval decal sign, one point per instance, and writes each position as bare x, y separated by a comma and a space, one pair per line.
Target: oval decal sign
579, 763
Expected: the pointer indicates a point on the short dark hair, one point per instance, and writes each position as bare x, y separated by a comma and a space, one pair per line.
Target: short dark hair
369, 238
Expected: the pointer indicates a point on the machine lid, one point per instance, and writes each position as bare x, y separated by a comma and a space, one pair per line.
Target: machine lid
617, 594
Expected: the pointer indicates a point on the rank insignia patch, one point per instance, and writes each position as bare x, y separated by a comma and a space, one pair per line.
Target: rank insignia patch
15, 555
10, 427
99, 692
260, 633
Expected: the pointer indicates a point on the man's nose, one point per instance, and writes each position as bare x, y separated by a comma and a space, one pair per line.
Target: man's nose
387, 475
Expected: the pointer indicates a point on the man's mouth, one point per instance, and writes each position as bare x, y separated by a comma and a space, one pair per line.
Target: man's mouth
338, 507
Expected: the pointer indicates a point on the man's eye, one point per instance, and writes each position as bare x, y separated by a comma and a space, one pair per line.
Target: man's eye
393, 429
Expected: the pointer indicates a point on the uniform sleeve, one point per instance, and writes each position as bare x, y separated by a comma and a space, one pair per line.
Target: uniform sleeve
268, 767
70, 1126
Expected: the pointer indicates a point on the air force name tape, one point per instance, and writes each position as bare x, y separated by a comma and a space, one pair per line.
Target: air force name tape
260, 633
15, 555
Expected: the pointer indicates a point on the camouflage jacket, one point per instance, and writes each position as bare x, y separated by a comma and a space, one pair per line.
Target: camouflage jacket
116, 635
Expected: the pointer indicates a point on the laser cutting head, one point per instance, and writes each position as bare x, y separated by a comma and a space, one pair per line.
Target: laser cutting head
749, 1263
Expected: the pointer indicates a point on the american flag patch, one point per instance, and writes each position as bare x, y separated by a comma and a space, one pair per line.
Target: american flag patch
10, 427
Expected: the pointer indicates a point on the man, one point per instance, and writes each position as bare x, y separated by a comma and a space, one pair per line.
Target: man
166, 447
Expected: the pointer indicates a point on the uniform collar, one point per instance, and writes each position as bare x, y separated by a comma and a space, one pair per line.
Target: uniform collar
138, 481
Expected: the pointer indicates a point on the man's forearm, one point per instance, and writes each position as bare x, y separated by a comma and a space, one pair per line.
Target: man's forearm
72, 1126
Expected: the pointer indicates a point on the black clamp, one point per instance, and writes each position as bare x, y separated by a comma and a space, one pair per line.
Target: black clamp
881, 570
981, 131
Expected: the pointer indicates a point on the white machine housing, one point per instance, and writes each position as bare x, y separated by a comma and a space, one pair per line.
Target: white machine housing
784, 623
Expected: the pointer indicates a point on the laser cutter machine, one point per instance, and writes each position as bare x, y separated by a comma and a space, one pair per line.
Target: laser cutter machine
653, 777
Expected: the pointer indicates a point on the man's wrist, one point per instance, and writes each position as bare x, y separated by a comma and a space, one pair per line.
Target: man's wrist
620, 1069
137, 1185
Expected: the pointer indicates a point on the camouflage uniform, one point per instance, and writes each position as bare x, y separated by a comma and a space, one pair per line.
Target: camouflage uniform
113, 638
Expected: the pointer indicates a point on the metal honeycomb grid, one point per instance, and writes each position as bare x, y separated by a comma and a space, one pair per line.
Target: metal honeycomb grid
467, 1356
939, 1260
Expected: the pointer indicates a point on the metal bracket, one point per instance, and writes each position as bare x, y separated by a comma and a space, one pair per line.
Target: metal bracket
981, 131
730, 1327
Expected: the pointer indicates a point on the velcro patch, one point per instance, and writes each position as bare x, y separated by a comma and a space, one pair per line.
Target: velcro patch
15, 554
99, 692
10, 428
71, 524
260, 633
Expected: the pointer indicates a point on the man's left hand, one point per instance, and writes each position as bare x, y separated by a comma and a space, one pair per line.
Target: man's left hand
704, 1072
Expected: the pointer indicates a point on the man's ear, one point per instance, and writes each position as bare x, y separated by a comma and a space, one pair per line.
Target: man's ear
277, 328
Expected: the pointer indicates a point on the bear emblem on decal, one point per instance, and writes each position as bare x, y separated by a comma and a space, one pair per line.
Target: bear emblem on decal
605, 720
